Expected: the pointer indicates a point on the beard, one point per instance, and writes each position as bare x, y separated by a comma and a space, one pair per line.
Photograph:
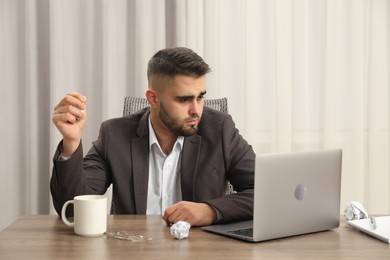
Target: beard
174, 125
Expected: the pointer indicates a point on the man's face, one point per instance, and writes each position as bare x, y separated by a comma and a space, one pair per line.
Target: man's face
181, 105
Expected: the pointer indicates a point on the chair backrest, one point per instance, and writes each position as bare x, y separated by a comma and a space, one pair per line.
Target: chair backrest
133, 104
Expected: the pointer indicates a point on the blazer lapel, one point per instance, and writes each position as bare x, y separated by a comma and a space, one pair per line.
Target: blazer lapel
189, 162
140, 164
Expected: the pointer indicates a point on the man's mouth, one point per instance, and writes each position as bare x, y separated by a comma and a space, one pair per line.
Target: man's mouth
193, 121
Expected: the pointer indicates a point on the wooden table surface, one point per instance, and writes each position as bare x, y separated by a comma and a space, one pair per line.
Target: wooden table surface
46, 237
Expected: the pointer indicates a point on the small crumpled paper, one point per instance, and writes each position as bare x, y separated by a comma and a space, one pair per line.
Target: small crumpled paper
355, 210
180, 230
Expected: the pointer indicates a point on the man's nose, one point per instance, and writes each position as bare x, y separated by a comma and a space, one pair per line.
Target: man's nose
195, 107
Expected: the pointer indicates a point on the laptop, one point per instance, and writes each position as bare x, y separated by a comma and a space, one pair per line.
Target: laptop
295, 193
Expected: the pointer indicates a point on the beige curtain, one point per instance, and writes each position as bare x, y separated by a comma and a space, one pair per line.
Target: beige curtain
303, 74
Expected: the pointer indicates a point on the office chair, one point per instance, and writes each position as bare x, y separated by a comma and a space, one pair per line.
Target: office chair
133, 104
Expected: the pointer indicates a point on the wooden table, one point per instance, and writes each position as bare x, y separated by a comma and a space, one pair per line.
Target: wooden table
46, 237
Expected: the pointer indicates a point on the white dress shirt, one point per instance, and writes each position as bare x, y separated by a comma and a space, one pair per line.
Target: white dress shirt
164, 187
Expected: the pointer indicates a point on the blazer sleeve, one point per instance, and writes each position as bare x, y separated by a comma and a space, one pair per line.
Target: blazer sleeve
67, 179
78, 176
239, 160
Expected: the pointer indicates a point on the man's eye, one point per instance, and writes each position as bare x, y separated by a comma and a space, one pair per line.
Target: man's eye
184, 99
200, 97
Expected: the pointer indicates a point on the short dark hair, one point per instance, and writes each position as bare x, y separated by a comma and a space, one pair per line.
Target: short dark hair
177, 61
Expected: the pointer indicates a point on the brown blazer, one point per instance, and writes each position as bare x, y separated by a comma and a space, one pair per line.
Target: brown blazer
120, 156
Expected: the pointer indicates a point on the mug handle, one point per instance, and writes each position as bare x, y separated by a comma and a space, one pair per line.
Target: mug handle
63, 216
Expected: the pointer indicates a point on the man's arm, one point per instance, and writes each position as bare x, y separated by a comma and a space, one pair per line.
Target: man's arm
239, 161
67, 180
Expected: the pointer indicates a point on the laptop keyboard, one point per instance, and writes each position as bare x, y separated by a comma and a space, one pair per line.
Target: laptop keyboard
246, 232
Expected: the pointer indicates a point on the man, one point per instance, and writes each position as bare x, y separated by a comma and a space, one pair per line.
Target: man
173, 158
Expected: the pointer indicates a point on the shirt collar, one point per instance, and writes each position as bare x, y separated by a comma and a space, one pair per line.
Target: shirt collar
153, 139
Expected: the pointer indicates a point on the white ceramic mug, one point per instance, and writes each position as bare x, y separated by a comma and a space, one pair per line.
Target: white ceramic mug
90, 215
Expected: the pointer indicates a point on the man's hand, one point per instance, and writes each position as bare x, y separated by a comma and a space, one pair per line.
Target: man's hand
70, 117
196, 214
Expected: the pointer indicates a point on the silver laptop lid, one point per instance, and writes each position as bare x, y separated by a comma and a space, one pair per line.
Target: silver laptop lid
296, 193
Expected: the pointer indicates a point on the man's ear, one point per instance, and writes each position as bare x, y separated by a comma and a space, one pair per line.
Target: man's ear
152, 97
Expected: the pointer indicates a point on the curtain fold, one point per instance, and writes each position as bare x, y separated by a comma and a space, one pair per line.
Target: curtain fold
303, 74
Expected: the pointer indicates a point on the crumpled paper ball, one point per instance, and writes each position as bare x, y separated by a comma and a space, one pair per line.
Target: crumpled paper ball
355, 210
180, 230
